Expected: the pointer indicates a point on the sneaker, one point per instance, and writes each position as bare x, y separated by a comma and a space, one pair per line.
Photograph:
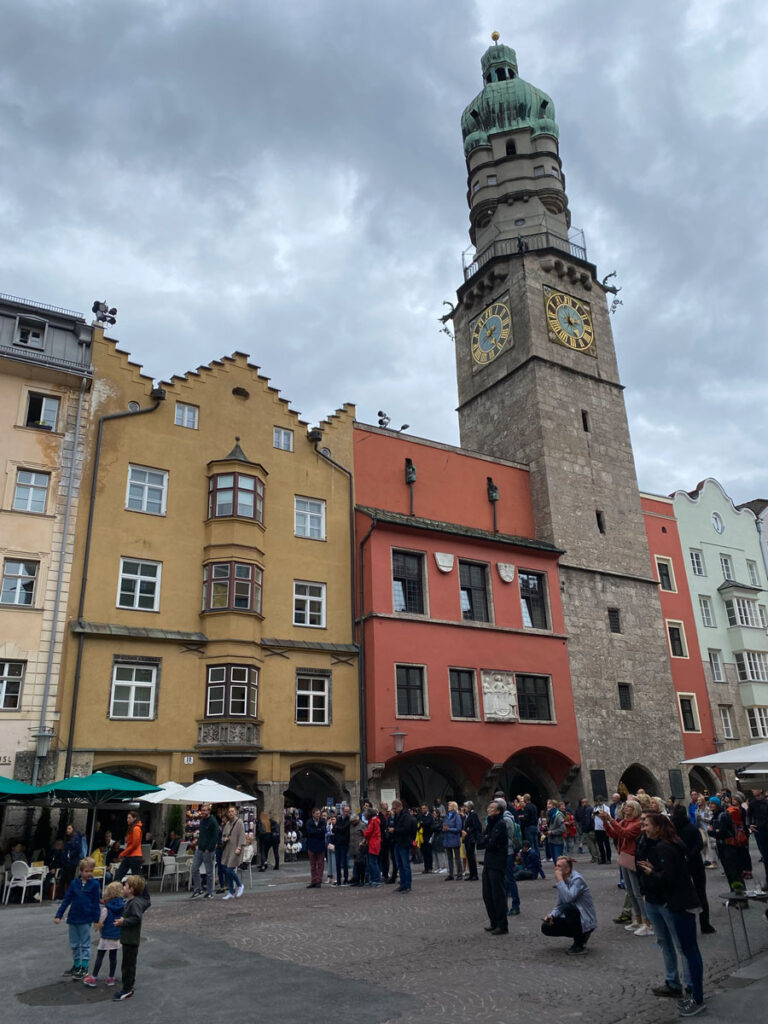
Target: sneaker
632, 927
208, 896
513, 912
667, 991
645, 930
622, 919
219, 891
575, 950
111, 982
90, 981
122, 994
72, 970
689, 1007
228, 896
79, 974
195, 894
240, 891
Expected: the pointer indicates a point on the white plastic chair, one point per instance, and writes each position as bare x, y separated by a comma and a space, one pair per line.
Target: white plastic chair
247, 863
22, 876
183, 847
174, 867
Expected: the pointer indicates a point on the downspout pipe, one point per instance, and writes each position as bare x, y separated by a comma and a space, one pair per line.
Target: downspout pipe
361, 665
761, 541
60, 576
159, 395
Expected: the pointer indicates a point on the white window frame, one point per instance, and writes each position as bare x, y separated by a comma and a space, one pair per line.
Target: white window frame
20, 576
751, 666
309, 520
698, 565
50, 417
707, 611
145, 486
716, 665
726, 567
7, 676
694, 709
753, 573
757, 720
137, 578
681, 626
670, 567
32, 487
133, 685
307, 605
744, 611
30, 323
726, 722
315, 707
282, 439
186, 415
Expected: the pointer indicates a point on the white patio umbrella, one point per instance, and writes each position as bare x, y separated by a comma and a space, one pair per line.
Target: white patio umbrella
753, 756
166, 794
206, 791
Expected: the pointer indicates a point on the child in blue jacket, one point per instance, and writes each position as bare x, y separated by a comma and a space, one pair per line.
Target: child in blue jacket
82, 898
113, 906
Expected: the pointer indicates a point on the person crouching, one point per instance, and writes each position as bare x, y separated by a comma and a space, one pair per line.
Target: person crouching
574, 914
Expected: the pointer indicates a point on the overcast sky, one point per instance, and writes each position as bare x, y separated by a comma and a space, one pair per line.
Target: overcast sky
287, 179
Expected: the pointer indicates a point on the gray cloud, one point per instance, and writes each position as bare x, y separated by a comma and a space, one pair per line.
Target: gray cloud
288, 180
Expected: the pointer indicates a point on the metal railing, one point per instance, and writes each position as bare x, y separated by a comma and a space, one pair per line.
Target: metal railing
523, 244
41, 305
30, 355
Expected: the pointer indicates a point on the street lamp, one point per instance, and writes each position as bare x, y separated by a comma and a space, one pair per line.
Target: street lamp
42, 740
398, 738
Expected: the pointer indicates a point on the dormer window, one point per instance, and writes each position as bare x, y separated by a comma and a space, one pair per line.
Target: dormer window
30, 332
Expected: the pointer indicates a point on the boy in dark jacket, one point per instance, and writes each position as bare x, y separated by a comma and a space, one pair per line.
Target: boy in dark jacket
82, 898
136, 904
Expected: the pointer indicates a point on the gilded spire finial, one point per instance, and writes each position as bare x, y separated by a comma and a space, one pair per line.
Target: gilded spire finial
495, 36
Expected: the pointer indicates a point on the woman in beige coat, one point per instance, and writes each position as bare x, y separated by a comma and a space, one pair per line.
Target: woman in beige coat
233, 840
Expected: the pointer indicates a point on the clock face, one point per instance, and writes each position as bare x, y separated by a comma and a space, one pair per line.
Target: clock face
569, 321
491, 333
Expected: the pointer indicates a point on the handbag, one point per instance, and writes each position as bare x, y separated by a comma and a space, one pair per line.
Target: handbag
627, 860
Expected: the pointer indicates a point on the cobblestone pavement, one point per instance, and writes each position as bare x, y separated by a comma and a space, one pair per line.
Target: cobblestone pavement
371, 956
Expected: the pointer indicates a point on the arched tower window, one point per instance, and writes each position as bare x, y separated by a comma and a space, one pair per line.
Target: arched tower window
511, 147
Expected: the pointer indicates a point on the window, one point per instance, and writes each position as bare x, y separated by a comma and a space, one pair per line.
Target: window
19, 580
697, 562
473, 582
726, 565
309, 518
600, 519
232, 690
476, 186
282, 439
31, 491
30, 332
232, 586
42, 411
614, 620
410, 690
408, 582
186, 415
462, 693
726, 722
742, 611
533, 701
236, 494
676, 633
139, 585
133, 691
147, 490
625, 697
538, 172
754, 576
762, 616
689, 712
752, 666
666, 574
585, 421
716, 665
533, 599
308, 604
11, 678
758, 722
313, 699
707, 613
491, 179
511, 148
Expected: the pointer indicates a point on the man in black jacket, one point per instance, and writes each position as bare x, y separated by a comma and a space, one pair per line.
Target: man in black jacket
494, 842
402, 832
207, 839
529, 825
386, 845
473, 829
427, 822
341, 844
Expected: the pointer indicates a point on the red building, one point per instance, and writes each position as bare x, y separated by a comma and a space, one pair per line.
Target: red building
668, 566
464, 653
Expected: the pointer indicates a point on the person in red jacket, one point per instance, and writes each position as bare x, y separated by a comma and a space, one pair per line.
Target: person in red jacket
130, 858
625, 834
373, 840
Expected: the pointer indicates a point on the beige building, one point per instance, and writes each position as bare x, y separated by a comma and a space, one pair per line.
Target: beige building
45, 394
211, 630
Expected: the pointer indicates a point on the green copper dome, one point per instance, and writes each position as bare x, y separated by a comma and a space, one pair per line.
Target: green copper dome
506, 102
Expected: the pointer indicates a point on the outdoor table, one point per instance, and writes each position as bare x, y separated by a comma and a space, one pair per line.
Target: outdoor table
739, 903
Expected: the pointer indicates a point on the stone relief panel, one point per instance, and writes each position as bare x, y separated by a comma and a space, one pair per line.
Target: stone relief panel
499, 696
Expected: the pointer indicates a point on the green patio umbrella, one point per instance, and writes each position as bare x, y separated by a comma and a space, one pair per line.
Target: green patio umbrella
12, 788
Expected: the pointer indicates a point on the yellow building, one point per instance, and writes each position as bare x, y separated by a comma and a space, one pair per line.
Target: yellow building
45, 381
215, 636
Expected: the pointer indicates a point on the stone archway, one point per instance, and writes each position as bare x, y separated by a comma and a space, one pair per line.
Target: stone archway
703, 780
313, 785
637, 776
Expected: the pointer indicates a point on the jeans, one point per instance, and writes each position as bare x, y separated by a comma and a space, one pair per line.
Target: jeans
667, 941
232, 878
374, 869
555, 851
330, 858
633, 891
454, 858
402, 857
685, 928
202, 857
316, 861
342, 863
510, 882
532, 835
80, 941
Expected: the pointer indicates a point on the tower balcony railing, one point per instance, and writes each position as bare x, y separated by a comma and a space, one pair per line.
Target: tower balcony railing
522, 244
